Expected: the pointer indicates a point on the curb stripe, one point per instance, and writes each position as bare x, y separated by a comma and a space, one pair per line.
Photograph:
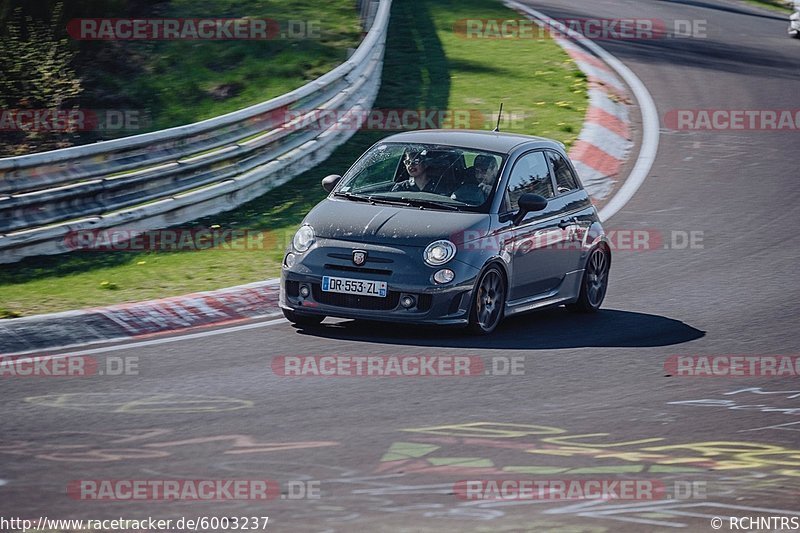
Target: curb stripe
592, 156
595, 115
606, 140
601, 99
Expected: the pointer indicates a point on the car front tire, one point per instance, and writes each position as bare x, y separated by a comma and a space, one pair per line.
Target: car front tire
594, 283
488, 302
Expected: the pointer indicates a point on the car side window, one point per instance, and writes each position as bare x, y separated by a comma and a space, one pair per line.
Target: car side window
565, 178
529, 175
377, 172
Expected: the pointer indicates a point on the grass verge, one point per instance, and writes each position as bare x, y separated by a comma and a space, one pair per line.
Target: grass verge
773, 5
428, 65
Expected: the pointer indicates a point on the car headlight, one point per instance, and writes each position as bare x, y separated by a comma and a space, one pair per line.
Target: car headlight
303, 239
444, 276
439, 252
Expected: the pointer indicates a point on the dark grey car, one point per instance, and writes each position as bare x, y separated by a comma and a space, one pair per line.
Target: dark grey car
449, 227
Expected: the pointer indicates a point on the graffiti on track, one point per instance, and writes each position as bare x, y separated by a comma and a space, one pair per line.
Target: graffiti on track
126, 445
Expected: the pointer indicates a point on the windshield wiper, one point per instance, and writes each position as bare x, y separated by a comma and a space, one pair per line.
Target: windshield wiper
390, 201
408, 202
430, 203
371, 199
354, 197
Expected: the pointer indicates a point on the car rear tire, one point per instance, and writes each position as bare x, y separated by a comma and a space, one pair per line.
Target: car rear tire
594, 283
302, 320
488, 302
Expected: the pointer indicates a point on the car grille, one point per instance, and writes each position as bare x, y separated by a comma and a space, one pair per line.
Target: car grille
352, 301
360, 270
370, 258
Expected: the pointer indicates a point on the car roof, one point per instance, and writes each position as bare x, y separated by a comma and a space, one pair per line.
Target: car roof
484, 140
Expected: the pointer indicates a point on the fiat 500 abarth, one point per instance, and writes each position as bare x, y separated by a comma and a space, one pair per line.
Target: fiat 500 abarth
448, 227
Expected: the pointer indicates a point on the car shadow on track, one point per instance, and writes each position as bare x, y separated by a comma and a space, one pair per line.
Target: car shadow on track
549, 329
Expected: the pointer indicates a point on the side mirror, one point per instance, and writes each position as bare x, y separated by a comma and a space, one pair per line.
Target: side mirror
529, 203
329, 182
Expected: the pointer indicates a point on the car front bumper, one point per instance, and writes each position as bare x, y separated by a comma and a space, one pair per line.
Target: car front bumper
402, 268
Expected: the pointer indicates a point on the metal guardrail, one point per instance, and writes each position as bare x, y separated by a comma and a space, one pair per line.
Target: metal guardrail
180, 174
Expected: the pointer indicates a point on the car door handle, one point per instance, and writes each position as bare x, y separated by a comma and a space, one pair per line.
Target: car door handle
567, 222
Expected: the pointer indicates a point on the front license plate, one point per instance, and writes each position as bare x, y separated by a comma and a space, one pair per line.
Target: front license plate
354, 286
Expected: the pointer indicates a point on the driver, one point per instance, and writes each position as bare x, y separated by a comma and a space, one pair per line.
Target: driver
417, 167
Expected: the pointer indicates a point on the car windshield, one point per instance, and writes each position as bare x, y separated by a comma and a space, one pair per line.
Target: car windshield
424, 176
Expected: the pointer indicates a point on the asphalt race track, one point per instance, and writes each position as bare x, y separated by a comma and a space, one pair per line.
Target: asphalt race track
594, 402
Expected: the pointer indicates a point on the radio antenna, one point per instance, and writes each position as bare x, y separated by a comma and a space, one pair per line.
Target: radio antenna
499, 117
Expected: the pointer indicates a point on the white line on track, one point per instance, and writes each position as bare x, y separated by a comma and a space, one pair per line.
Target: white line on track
164, 340
650, 121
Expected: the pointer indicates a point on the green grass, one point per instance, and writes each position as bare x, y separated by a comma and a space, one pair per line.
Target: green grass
172, 83
774, 5
427, 66
186, 72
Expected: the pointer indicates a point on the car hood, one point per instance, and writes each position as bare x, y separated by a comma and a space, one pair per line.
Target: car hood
390, 225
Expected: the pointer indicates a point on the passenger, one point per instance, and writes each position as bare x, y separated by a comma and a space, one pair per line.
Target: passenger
484, 172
